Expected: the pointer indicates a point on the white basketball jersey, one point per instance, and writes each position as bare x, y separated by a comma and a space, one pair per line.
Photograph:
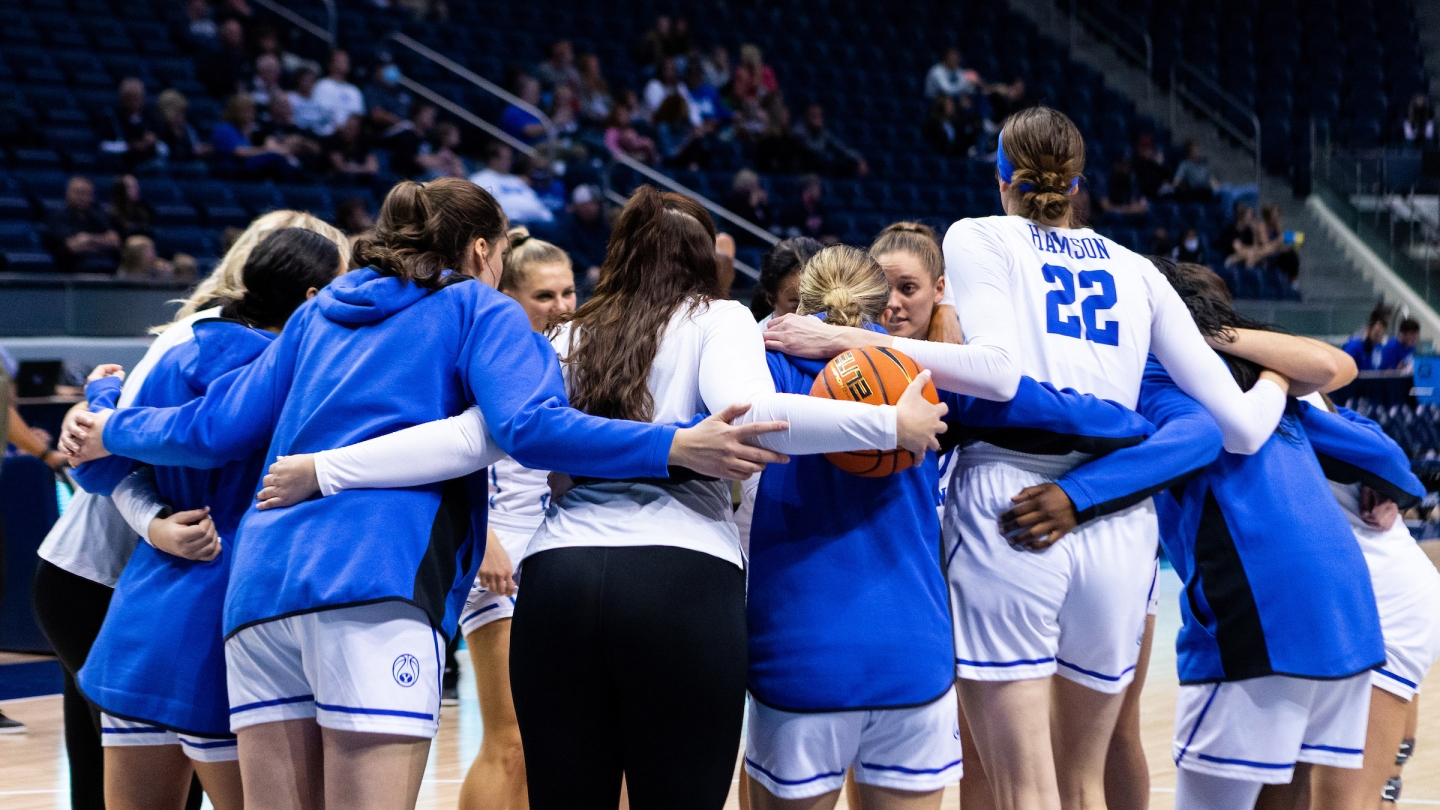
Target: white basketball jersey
1083, 304
518, 495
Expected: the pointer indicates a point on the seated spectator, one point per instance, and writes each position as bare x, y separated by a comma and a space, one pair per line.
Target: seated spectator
1189, 250
1368, 348
80, 236
594, 92
621, 137
226, 69
266, 83
665, 84
681, 143
436, 156
518, 200
234, 9
518, 122
1399, 353
201, 33
539, 173
178, 139
1238, 240
716, 66
134, 126
268, 42
336, 95
1160, 244
1149, 164
305, 107
778, 151
1283, 255
1192, 181
655, 44
350, 152
945, 131
387, 103
281, 129
752, 121
353, 217
677, 45
1008, 99
807, 216
1122, 197
139, 262
237, 156
130, 215
1419, 125
564, 115
826, 153
946, 78
707, 109
590, 234
753, 79
749, 200
559, 69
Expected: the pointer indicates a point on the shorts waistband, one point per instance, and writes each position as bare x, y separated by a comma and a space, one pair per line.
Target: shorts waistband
976, 454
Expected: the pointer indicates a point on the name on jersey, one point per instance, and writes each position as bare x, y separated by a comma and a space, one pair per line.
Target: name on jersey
1084, 247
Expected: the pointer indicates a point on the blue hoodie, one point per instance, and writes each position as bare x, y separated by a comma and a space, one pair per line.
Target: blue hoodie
160, 656
848, 606
370, 355
1275, 583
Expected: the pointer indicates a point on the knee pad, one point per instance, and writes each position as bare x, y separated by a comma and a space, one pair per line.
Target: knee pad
1407, 750
1391, 791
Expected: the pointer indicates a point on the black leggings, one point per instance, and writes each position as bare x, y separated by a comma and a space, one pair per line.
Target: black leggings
629, 660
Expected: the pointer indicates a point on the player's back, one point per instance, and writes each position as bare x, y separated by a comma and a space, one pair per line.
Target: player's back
1083, 305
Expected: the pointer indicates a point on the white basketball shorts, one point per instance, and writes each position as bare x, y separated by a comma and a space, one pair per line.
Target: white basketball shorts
483, 607
797, 755
1152, 605
115, 731
1257, 729
1407, 593
373, 668
1076, 608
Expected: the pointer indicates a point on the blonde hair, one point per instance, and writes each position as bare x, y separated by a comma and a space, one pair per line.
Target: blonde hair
227, 279
915, 238
526, 253
846, 284
1048, 154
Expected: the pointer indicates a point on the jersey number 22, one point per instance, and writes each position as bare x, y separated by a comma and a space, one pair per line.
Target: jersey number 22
1090, 309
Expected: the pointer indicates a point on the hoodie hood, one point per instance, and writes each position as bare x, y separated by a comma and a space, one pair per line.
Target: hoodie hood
364, 296
813, 367
223, 345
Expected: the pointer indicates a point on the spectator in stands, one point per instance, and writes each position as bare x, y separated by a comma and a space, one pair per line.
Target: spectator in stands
305, 107
564, 115
748, 199
1160, 243
130, 215
677, 45
1192, 181
753, 79
352, 215
516, 197
201, 32
134, 125
946, 78
350, 152
282, 129
1121, 195
335, 95
943, 131
806, 217
1189, 250
1149, 165
437, 156
1008, 99
622, 138
559, 69
265, 85
716, 65
778, 151
1399, 352
268, 42
654, 45
704, 99
594, 92
1368, 348
826, 153
681, 143
227, 68
80, 235
235, 9
590, 234
1237, 240
1419, 125
665, 84
1283, 255
388, 104
237, 156
518, 122
178, 138
139, 261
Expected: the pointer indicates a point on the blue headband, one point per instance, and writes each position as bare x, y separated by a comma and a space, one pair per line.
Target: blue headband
1007, 171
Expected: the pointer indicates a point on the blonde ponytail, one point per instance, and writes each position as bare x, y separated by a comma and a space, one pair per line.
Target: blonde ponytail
845, 284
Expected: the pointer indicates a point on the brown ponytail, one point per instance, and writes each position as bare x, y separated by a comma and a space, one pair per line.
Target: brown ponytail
1048, 154
424, 230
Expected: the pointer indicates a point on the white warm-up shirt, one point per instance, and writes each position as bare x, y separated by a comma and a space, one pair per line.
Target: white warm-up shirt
1072, 308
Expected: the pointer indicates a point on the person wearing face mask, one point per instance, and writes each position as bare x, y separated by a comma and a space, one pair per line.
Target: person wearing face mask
1189, 250
388, 104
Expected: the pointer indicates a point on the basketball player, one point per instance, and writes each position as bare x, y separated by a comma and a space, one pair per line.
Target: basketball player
336, 622
1066, 306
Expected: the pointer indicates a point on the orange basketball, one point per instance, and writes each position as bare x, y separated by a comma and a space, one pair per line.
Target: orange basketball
876, 376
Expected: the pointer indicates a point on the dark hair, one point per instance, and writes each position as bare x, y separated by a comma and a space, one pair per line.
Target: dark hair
785, 259
424, 230
1208, 300
1409, 325
1380, 314
661, 258
280, 270
673, 110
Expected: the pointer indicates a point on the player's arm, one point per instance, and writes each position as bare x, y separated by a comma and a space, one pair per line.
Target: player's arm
102, 475
1354, 450
1309, 364
1045, 420
190, 534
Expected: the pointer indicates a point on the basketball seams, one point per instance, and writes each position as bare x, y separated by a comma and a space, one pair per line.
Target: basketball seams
868, 463
879, 378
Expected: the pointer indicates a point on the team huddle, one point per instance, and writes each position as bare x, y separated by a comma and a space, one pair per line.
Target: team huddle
334, 472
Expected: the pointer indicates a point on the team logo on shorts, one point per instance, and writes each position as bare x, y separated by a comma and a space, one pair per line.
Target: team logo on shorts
406, 670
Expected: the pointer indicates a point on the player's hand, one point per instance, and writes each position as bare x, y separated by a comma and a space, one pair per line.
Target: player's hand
496, 575
106, 370
291, 479
1040, 517
721, 450
190, 535
1378, 511
917, 422
803, 336
84, 441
